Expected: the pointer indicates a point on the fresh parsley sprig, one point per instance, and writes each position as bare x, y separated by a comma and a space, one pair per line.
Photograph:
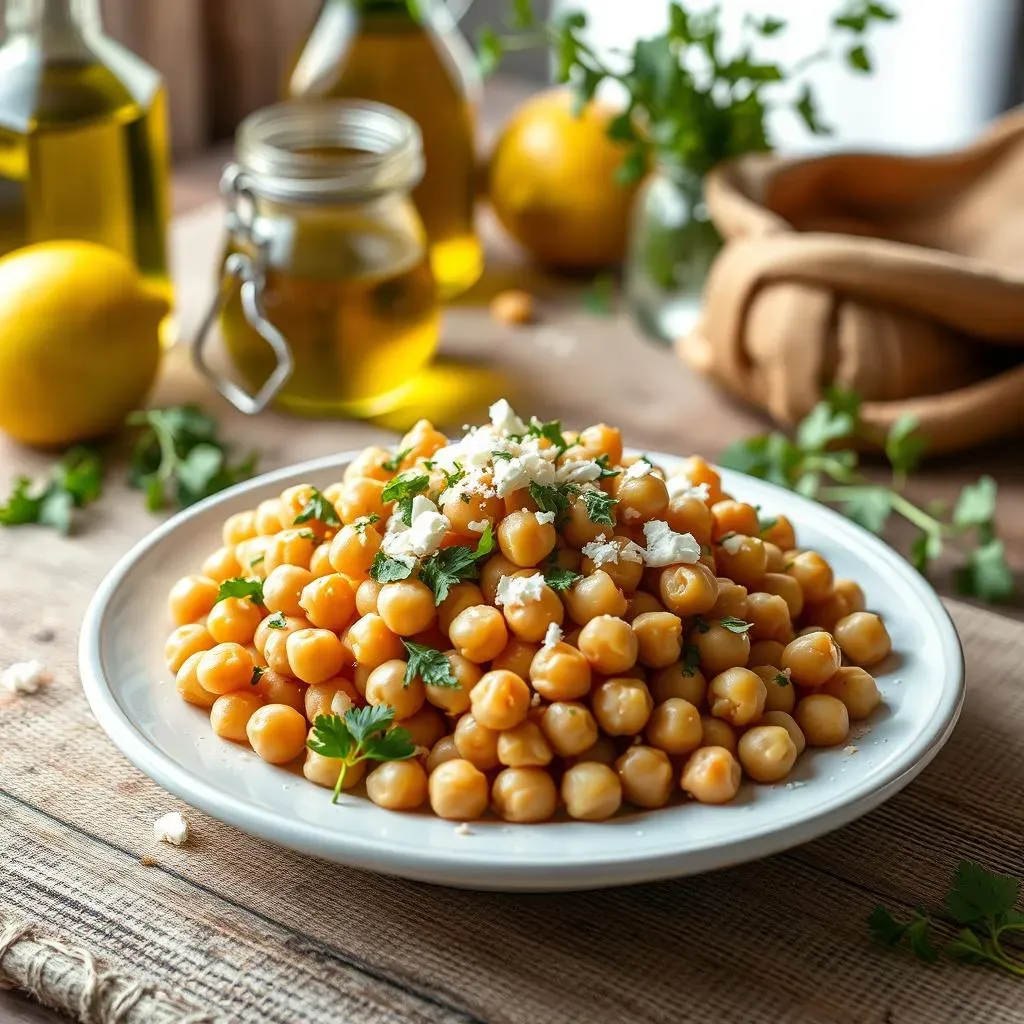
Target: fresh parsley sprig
318, 508
443, 569
816, 464
362, 734
391, 465
75, 481
386, 569
982, 904
599, 507
245, 587
430, 665
179, 456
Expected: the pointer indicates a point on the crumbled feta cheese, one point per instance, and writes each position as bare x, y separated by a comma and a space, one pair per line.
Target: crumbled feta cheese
535, 701
23, 677
630, 514
601, 551
504, 419
683, 486
171, 828
470, 452
553, 636
463, 830
640, 468
733, 543
666, 547
420, 539
850, 749
578, 471
544, 517
521, 471
519, 590
479, 525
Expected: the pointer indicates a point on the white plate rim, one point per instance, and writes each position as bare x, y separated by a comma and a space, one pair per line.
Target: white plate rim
461, 866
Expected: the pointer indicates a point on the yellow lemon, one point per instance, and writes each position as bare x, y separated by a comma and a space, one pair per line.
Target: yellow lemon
552, 183
79, 341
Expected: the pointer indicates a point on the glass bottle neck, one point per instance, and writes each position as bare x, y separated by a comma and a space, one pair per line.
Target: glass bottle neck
53, 21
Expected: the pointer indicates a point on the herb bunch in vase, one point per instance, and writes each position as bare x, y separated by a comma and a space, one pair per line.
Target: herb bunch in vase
689, 105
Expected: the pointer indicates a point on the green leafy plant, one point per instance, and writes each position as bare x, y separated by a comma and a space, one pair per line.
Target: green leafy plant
430, 665
179, 457
362, 734
983, 906
689, 101
819, 462
75, 481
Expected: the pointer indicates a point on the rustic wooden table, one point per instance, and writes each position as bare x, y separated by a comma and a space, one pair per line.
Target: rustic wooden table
79, 853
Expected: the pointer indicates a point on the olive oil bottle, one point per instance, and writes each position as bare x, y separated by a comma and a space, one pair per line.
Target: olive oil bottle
83, 137
409, 55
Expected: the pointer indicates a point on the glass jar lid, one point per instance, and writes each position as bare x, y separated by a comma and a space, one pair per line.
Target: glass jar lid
332, 150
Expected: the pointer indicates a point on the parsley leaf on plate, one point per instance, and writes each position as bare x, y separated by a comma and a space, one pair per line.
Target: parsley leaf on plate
430, 665
320, 509
386, 569
241, 586
599, 507
442, 570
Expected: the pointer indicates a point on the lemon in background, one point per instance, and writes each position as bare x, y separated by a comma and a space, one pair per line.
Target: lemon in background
551, 181
79, 341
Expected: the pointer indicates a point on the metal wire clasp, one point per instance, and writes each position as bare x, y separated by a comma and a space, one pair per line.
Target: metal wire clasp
251, 272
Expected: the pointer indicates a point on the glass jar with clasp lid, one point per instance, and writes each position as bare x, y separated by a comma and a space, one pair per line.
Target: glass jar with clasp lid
327, 304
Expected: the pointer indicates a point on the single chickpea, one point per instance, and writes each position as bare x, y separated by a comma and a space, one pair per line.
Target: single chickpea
460, 597
422, 440
646, 775
369, 463
813, 574
825, 614
659, 638
781, 695
362, 497
787, 722
353, 550
372, 643
239, 527
458, 791
640, 498
273, 643
524, 794
675, 727
622, 706
530, 620
491, 573
319, 698
329, 602
476, 743
742, 559
592, 596
406, 606
579, 529
500, 700
425, 727
857, 689
768, 615
626, 571
569, 728
186, 682
234, 620
397, 785
184, 642
719, 733
779, 531
609, 645
824, 720
686, 513
320, 562
517, 656
454, 700
324, 771
688, 589
766, 652
787, 588
268, 517
720, 648
277, 733
293, 502
231, 712
479, 633
679, 680
290, 547
225, 668
524, 746
775, 560
730, 600
767, 753
314, 655
477, 509
711, 775
524, 540
640, 603
602, 750
251, 555
851, 594
278, 689
734, 517
737, 695
443, 750
191, 598
367, 594
222, 565
863, 638
591, 791
812, 659
386, 685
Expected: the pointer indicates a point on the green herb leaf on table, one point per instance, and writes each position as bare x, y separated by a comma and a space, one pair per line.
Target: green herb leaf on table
241, 586
978, 894
442, 570
318, 508
74, 481
362, 734
599, 507
904, 444
430, 665
386, 569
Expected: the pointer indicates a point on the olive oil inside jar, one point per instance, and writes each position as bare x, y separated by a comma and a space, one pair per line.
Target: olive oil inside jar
83, 138
345, 274
409, 56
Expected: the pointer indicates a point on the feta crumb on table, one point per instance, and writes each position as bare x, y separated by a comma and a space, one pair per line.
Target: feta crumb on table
172, 828
23, 677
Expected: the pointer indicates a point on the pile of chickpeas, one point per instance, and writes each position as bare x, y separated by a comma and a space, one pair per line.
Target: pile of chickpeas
647, 698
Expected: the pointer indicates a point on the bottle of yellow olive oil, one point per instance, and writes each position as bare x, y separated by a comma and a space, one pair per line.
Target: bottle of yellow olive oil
83, 137
409, 55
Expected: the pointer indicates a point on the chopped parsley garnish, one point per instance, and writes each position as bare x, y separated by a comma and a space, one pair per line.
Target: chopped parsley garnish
782, 679
553, 498
276, 621
735, 625
691, 659
258, 560
558, 578
241, 586
599, 507
307, 534
386, 569
551, 431
499, 454
257, 674
405, 485
405, 510
363, 522
318, 507
391, 465
430, 665
442, 570
604, 461
702, 625
453, 476
767, 524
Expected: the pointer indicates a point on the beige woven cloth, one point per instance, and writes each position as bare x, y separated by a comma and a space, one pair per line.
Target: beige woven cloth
899, 277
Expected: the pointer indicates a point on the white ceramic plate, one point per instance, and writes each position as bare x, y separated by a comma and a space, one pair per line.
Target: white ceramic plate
132, 695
